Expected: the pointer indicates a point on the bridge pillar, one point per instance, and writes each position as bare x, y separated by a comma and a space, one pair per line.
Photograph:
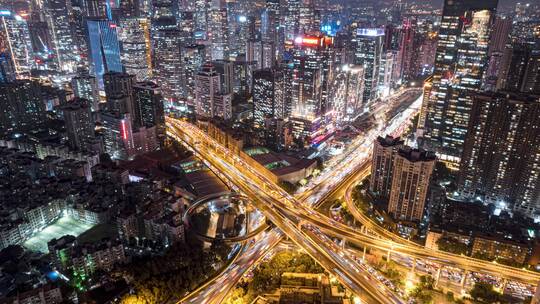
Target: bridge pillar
503, 285
413, 268
364, 253
437, 276
464, 279
388, 256
536, 297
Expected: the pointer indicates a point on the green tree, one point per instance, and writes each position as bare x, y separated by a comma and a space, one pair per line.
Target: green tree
452, 245
484, 293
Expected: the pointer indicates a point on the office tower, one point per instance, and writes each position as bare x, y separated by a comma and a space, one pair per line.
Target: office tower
117, 135
21, 109
388, 76
347, 91
79, 33
149, 107
201, 16
119, 91
459, 68
501, 154
186, 24
218, 30
261, 52
270, 21
209, 100
104, 48
307, 23
14, 29
225, 70
57, 14
243, 75
130, 8
428, 85
164, 8
368, 44
411, 173
7, 70
291, 21
86, 87
268, 95
382, 165
193, 58
241, 31
499, 38
308, 76
136, 51
406, 49
167, 60
79, 123
94, 9
520, 69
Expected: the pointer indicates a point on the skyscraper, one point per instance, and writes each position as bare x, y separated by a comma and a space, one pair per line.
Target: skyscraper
79, 123
167, 60
501, 156
136, 51
57, 14
7, 70
86, 87
411, 174
119, 91
14, 29
209, 100
218, 33
368, 45
459, 68
382, 165
193, 58
118, 135
347, 91
149, 107
268, 95
104, 47
21, 109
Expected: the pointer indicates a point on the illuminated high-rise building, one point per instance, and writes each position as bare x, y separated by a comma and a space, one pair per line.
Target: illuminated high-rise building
346, 94
21, 109
311, 73
501, 156
262, 53
368, 45
136, 51
167, 58
149, 110
382, 165
80, 126
14, 29
291, 19
117, 135
461, 60
411, 175
57, 13
209, 100
7, 70
86, 87
218, 32
104, 47
268, 95
193, 58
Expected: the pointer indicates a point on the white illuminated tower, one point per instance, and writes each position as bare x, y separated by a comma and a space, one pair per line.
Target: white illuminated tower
16, 36
167, 59
368, 52
134, 37
57, 13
